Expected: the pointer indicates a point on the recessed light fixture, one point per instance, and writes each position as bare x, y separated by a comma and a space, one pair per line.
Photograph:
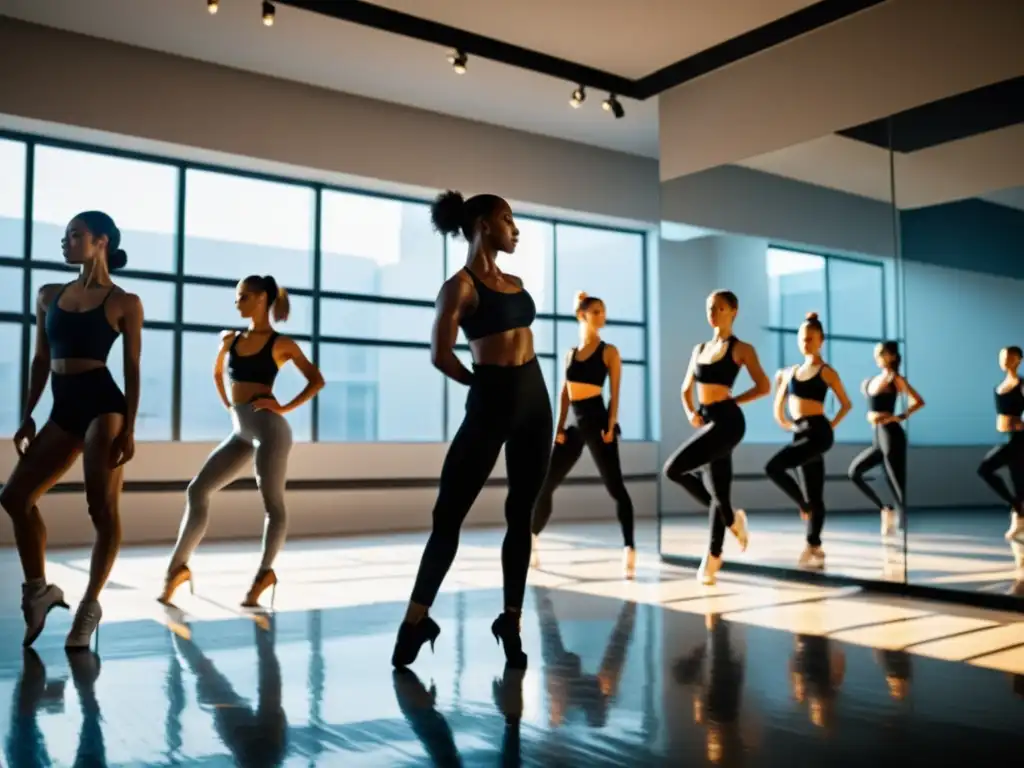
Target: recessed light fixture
212, 6
268, 13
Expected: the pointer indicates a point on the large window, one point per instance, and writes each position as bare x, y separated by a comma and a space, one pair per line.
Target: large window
362, 272
849, 297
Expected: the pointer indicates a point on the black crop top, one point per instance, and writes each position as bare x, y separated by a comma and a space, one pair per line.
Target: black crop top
258, 368
497, 312
813, 388
79, 335
722, 371
884, 400
589, 371
1010, 403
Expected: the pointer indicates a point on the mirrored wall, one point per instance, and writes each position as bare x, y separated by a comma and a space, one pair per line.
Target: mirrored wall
803, 468
959, 178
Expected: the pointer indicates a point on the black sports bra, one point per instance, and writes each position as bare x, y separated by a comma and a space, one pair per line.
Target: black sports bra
1010, 403
497, 312
883, 401
79, 335
814, 388
589, 371
722, 371
258, 368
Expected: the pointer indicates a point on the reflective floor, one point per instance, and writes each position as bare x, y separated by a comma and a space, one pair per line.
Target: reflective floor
955, 549
662, 671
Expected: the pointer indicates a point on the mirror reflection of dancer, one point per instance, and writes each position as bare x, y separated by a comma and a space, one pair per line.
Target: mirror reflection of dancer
804, 388
508, 405
889, 441
254, 357
1009, 406
586, 368
76, 326
714, 366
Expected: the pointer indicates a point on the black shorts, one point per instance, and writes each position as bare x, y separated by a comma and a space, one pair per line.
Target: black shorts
78, 398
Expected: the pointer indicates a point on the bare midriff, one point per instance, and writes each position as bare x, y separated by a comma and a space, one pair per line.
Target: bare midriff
579, 390
508, 348
1008, 423
69, 366
243, 392
709, 394
801, 408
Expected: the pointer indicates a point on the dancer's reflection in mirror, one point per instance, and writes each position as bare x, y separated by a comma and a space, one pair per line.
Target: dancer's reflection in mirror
715, 671
568, 686
26, 747
817, 670
256, 738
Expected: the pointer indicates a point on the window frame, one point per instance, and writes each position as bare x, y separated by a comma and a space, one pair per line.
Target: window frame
180, 325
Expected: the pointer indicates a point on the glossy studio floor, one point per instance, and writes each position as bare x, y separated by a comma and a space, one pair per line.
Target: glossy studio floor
661, 671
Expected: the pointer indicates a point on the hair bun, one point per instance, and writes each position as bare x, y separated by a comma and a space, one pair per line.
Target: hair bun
812, 315
581, 295
118, 259
448, 212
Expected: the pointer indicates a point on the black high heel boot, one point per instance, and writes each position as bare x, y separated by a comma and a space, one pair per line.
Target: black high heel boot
506, 631
411, 638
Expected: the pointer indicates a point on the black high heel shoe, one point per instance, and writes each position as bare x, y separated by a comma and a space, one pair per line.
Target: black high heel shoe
506, 631
411, 638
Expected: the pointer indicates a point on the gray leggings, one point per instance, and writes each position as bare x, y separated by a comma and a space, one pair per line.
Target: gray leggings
272, 437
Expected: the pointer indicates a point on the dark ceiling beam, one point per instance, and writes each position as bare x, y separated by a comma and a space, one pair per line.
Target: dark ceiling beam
388, 20
774, 33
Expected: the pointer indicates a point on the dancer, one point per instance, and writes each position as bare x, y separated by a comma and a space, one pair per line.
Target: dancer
720, 425
254, 357
586, 368
889, 443
1009, 405
507, 405
76, 325
803, 388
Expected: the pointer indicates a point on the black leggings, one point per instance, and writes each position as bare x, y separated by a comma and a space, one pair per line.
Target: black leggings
709, 450
1010, 455
811, 440
510, 407
591, 419
889, 448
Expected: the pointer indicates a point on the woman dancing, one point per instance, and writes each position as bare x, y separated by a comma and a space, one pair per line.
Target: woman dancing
720, 426
889, 443
586, 368
254, 357
507, 405
76, 325
1009, 405
803, 388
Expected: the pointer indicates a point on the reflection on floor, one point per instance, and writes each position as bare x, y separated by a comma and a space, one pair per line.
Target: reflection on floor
954, 549
661, 671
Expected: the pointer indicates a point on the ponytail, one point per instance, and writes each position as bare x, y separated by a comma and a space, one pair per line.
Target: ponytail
892, 349
277, 298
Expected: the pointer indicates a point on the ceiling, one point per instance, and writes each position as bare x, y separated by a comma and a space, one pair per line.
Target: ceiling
341, 56
964, 146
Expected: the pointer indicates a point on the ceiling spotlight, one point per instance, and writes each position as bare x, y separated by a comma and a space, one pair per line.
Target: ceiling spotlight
212, 6
578, 97
458, 61
611, 104
268, 14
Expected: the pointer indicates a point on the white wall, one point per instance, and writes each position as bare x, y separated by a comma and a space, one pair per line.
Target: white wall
204, 107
